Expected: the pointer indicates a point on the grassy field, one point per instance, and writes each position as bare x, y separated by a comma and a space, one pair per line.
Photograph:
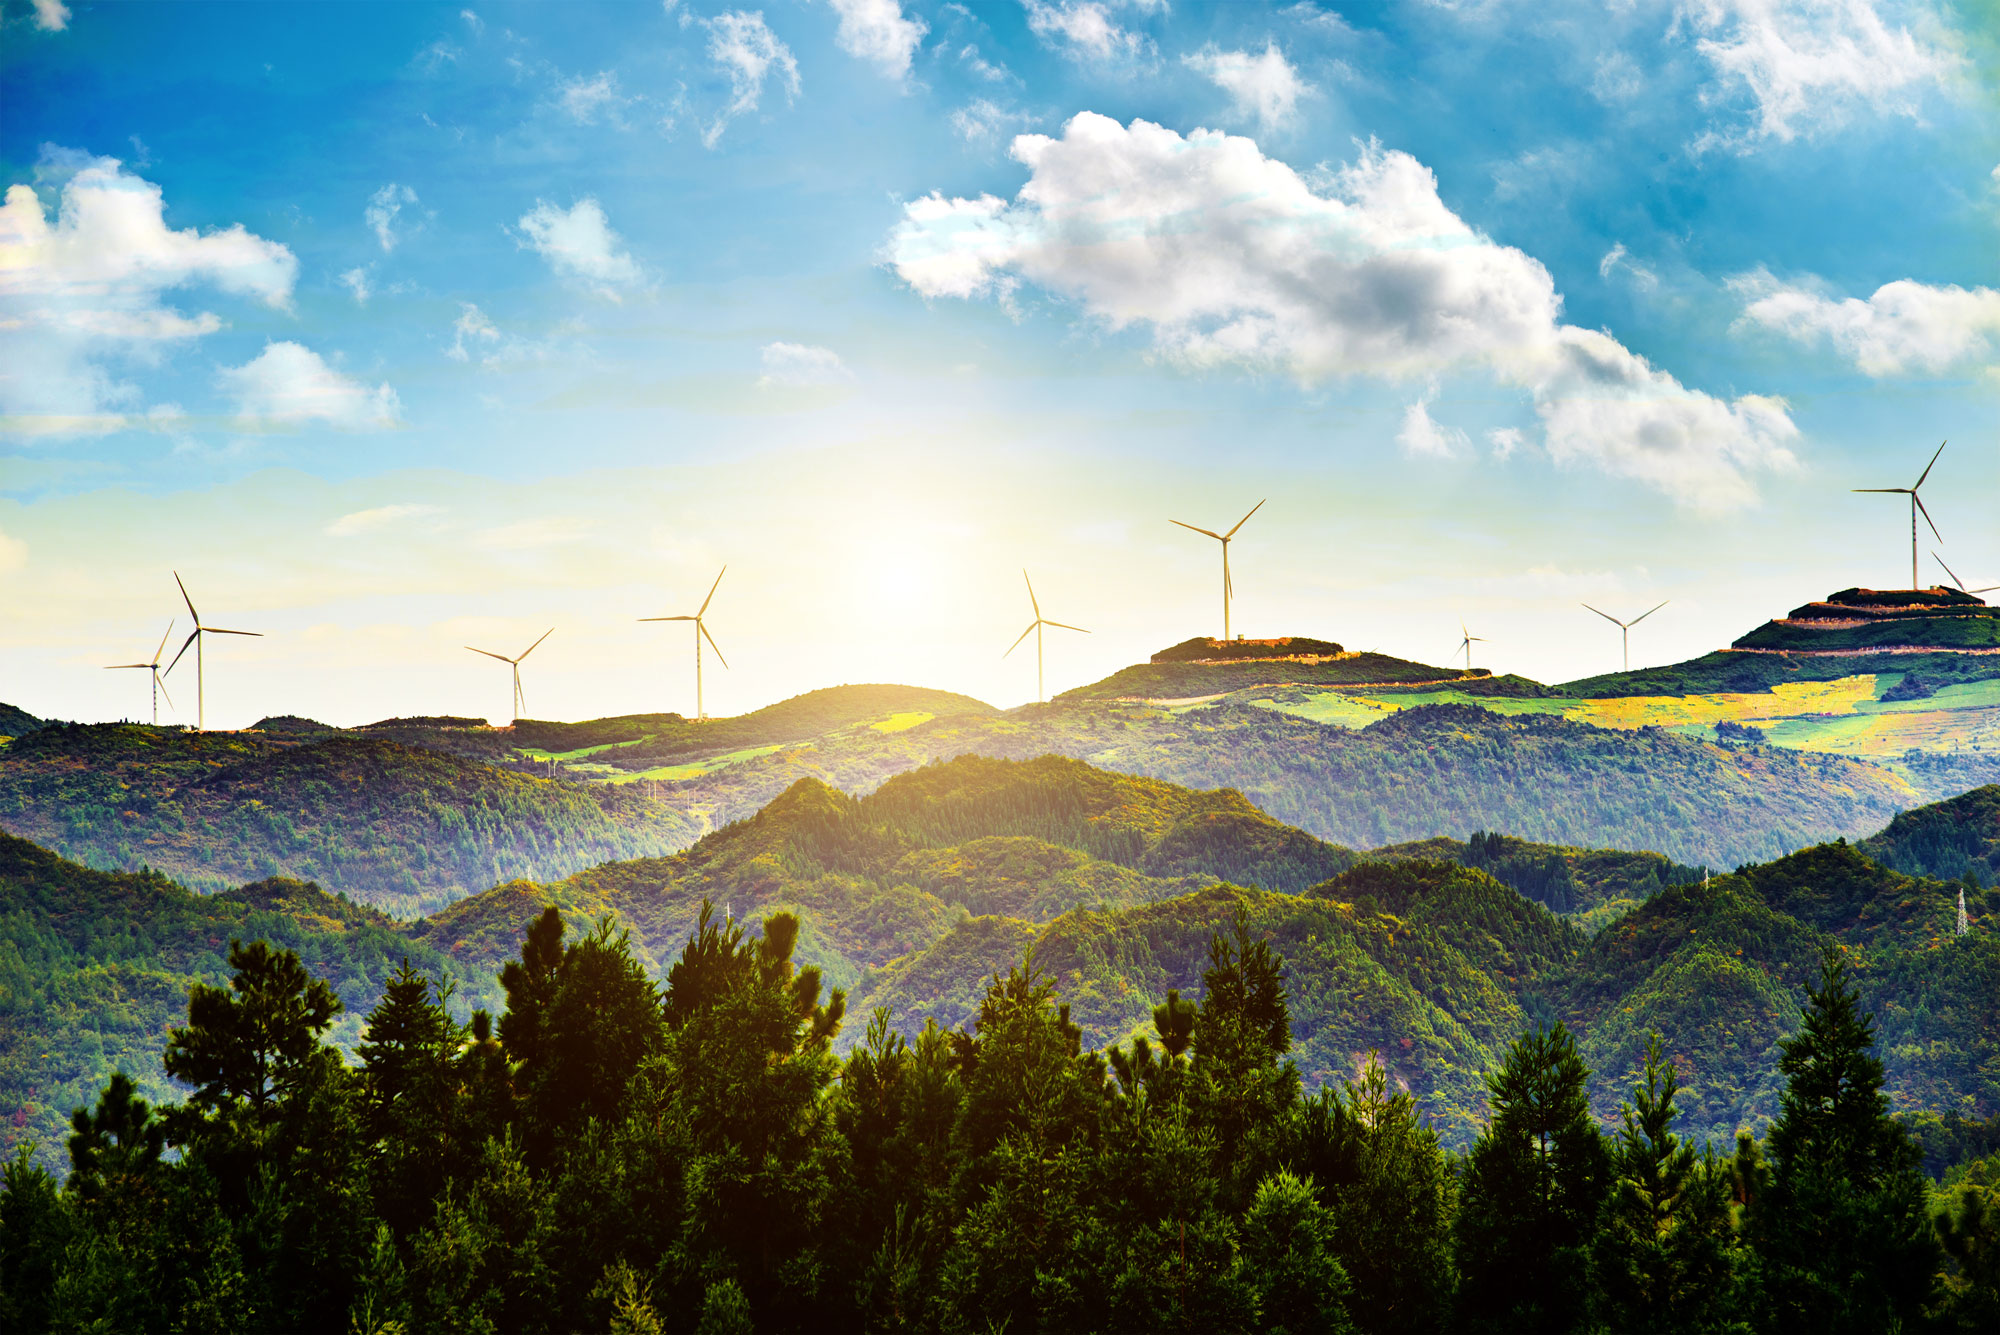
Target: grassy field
902, 722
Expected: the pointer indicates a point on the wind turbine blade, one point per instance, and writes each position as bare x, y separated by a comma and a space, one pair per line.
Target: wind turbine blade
1061, 625
667, 618
113, 667
711, 593
189, 601
185, 644
1032, 601
531, 648
1024, 635
1956, 582
1927, 516
1477, 639
163, 644
490, 654
1988, 589
1607, 616
1210, 532
1932, 464
711, 642
163, 689
217, 630
1881, 491
1648, 612
1246, 518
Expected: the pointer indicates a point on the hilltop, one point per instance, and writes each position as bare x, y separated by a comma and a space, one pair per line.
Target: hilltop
1948, 840
14, 722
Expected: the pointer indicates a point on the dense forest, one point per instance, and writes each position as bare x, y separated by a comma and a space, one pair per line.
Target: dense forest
624, 1154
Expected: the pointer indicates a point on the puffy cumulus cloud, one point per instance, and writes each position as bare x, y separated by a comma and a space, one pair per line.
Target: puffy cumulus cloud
1808, 65
1505, 440
1261, 87
1085, 29
86, 289
1229, 257
384, 206
51, 15
1904, 327
382, 516
746, 49
578, 243
802, 364
1424, 436
879, 32
288, 385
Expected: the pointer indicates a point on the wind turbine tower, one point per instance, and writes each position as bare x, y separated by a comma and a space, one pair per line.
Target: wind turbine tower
1224, 538
700, 634
1916, 504
195, 638
1625, 628
1035, 627
1467, 643
154, 668
520, 701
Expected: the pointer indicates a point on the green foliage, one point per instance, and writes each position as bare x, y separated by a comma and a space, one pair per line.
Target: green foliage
1946, 840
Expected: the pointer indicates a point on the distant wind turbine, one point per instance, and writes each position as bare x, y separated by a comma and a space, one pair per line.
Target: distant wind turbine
1956, 583
700, 634
1916, 504
1223, 538
1467, 643
154, 668
195, 638
1625, 628
520, 701
1035, 627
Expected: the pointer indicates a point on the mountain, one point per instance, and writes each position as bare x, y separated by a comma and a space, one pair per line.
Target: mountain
407, 829
1590, 886
95, 966
14, 722
1946, 840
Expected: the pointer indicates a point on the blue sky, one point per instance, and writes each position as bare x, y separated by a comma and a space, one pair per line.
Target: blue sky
400, 327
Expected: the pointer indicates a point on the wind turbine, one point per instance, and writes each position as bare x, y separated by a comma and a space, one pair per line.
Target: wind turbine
154, 668
1467, 643
195, 638
1036, 627
1625, 628
520, 701
1955, 580
700, 634
1916, 504
1224, 538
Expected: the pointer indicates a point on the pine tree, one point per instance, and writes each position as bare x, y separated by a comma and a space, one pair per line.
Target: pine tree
254, 1041
1843, 1240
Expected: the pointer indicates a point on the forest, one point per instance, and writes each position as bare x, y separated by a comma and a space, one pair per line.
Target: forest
624, 1155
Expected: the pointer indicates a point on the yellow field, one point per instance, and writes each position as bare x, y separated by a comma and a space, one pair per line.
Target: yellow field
902, 722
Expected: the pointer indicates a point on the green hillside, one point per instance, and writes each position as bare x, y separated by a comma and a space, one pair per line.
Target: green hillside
1176, 679
406, 829
94, 966
1947, 840
1590, 886
15, 721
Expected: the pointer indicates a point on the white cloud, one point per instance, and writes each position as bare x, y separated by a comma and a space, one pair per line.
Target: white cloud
1230, 258
86, 289
367, 521
473, 21
1904, 327
13, 553
1083, 29
579, 243
1505, 440
356, 281
288, 385
802, 364
969, 56
877, 31
1264, 87
51, 15
981, 121
383, 207
1617, 79
746, 49
585, 100
1424, 436
1620, 258
470, 332
1809, 65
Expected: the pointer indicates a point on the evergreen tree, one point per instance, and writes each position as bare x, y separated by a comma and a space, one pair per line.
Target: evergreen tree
1842, 1233
1288, 1251
408, 1054
35, 1231
253, 1042
1969, 1229
1240, 1084
1533, 1185
1662, 1258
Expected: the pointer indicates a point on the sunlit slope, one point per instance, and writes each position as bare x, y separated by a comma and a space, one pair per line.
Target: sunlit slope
405, 828
95, 966
1947, 840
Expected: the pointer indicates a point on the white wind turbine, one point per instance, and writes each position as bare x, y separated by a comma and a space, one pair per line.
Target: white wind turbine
1035, 626
1956, 584
1916, 504
153, 668
700, 634
520, 701
1223, 538
1467, 643
195, 638
1625, 628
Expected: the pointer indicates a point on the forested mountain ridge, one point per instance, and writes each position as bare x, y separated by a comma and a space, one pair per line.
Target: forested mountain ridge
1946, 839
406, 828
